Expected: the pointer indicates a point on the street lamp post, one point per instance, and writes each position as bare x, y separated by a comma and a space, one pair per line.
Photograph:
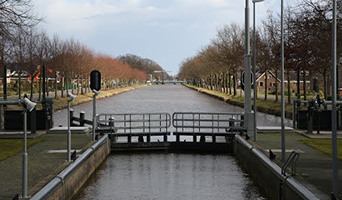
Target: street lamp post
282, 85
248, 118
255, 96
94, 113
333, 111
28, 107
71, 99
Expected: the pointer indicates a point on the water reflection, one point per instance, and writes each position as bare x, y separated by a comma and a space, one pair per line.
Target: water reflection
170, 176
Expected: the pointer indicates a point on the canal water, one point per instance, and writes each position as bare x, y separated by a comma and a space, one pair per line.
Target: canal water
167, 176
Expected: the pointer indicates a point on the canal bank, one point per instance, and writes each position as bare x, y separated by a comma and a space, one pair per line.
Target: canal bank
68, 182
264, 106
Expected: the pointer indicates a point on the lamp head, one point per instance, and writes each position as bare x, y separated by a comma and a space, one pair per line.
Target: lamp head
96, 92
71, 96
29, 104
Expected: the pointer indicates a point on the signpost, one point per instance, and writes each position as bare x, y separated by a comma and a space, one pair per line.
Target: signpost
95, 86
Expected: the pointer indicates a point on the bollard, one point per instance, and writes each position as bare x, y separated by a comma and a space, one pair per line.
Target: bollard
33, 117
194, 138
71, 117
111, 125
165, 137
82, 117
294, 113
319, 121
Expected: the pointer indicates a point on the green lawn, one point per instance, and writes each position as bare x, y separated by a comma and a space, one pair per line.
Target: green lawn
324, 145
10, 147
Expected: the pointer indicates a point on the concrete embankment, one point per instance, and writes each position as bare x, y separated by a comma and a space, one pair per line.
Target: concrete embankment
67, 183
268, 174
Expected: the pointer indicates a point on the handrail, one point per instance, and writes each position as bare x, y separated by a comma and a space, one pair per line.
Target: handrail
292, 159
47, 190
198, 122
302, 191
130, 122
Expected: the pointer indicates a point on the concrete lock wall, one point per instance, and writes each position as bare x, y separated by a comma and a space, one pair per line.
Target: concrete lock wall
268, 174
67, 184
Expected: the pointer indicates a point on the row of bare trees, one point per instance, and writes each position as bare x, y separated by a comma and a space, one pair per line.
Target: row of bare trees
308, 36
23, 47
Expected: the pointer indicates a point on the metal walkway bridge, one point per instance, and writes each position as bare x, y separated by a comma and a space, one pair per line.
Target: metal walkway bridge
161, 130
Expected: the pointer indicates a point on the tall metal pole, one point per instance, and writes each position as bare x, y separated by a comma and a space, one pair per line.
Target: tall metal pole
282, 86
254, 80
247, 60
333, 112
94, 116
69, 135
24, 173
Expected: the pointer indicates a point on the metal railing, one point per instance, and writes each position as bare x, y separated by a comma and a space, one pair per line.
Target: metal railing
135, 124
59, 180
198, 122
206, 124
292, 159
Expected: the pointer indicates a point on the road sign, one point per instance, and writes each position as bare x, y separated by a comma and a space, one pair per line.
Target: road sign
243, 80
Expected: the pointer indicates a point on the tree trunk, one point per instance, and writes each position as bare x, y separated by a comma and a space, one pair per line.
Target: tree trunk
31, 90
47, 87
77, 85
62, 87
325, 84
56, 94
234, 84
82, 85
289, 91
229, 84
66, 84
276, 88
39, 87
72, 83
266, 85
304, 84
19, 84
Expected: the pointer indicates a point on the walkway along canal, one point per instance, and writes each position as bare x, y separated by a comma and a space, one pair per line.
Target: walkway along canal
168, 176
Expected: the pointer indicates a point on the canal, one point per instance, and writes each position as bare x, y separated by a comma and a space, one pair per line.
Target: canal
166, 175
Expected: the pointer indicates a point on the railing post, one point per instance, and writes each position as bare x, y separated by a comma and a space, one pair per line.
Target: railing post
71, 119
294, 113
111, 125
33, 125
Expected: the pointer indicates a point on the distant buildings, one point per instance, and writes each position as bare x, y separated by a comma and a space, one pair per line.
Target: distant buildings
271, 80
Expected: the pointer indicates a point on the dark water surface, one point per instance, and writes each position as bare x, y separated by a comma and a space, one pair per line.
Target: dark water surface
170, 177
167, 176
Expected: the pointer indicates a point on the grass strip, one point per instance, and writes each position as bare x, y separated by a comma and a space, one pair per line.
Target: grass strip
324, 145
10, 147
265, 106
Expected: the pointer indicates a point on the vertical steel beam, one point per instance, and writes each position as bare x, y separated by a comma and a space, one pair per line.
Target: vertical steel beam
333, 113
247, 77
282, 85
24, 172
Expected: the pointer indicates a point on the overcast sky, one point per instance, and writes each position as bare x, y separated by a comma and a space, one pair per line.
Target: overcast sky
166, 31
